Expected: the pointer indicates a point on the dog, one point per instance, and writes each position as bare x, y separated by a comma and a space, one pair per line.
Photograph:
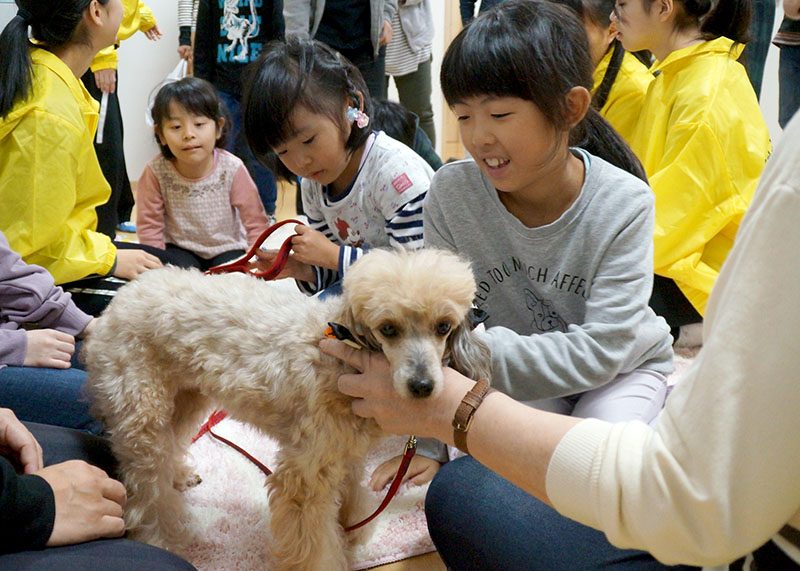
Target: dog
175, 343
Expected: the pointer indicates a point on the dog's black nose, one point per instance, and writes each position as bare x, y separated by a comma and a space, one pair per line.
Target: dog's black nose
420, 388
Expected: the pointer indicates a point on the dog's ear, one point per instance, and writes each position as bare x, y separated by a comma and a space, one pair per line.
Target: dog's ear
468, 353
360, 332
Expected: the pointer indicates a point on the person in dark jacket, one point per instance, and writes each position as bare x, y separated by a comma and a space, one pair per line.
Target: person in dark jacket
229, 35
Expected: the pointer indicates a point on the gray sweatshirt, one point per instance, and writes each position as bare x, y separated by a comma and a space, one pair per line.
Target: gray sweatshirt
584, 280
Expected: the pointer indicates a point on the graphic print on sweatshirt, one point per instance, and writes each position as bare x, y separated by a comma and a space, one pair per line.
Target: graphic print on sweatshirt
545, 318
239, 29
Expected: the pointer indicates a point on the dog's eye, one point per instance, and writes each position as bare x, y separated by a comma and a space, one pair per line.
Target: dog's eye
443, 328
388, 330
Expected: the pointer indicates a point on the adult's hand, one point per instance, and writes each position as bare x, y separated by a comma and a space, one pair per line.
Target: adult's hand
17, 440
106, 80
131, 263
49, 348
89, 504
375, 395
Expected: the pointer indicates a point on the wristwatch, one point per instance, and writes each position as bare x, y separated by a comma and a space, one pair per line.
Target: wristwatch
466, 411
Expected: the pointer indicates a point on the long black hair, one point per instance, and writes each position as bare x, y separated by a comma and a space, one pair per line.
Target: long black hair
714, 18
195, 95
537, 51
299, 72
53, 24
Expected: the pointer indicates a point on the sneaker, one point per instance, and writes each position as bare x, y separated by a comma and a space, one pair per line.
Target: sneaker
128, 226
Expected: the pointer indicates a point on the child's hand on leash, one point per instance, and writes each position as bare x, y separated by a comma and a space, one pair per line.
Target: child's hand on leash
49, 348
421, 470
313, 248
294, 268
131, 263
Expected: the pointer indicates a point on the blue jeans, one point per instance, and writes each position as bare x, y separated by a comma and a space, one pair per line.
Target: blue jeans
788, 84
49, 396
237, 144
478, 520
755, 53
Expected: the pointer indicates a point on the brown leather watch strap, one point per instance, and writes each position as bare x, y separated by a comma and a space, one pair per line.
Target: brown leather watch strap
466, 411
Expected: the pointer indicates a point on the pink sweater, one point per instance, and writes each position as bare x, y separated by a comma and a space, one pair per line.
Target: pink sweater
217, 213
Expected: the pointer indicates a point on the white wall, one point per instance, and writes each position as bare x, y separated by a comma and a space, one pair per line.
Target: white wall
142, 66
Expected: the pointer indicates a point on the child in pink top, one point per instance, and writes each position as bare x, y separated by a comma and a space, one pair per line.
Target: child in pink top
196, 200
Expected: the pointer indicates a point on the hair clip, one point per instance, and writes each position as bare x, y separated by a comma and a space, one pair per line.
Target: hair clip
360, 118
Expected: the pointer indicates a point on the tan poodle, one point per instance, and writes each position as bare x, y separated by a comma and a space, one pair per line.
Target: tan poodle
175, 343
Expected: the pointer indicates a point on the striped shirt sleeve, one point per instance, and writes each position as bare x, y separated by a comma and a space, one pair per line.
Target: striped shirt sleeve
324, 277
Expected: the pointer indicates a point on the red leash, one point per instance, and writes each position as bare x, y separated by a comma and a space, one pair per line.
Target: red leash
408, 454
243, 264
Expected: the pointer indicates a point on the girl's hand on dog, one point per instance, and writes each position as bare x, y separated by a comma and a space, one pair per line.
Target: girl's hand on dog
313, 248
88, 503
294, 268
375, 396
421, 470
49, 348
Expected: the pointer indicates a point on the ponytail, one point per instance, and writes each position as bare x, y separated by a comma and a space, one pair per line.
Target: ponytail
715, 18
53, 24
614, 65
15, 69
597, 136
729, 18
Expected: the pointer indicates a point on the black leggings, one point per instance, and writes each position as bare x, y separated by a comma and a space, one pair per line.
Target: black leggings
92, 295
668, 301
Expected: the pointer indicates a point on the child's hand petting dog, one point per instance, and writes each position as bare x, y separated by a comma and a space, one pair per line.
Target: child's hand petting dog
294, 268
421, 470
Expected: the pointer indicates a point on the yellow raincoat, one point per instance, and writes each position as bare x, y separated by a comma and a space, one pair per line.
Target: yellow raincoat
703, 142
625, 100
136, 16
50, 180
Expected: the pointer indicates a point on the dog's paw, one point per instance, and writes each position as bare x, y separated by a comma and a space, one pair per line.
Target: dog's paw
190, 482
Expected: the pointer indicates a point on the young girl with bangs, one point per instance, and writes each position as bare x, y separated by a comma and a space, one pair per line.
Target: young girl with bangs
561, 244
196, 200
306, 114
621, 78
701, 138
558, 229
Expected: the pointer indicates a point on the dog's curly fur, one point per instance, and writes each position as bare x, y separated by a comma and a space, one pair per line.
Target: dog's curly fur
175, 343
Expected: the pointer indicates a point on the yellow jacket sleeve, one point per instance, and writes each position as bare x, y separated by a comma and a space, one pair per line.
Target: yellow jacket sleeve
698, 210
137, 17
48, 211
